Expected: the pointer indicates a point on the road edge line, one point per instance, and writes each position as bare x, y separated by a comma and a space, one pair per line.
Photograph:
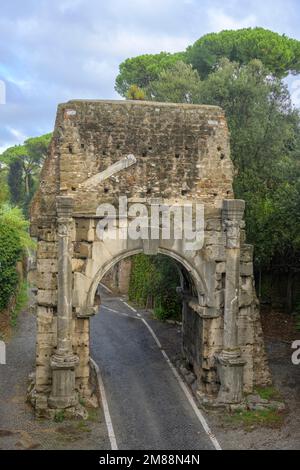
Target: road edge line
186, 391
129, 306
107, 416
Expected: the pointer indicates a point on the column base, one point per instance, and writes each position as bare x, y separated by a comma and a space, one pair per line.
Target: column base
63, 394
230, 369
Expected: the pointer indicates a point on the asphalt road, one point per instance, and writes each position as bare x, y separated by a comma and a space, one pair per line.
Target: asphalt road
148, 408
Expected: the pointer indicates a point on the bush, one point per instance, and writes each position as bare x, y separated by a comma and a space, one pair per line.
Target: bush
14, 241
10, 253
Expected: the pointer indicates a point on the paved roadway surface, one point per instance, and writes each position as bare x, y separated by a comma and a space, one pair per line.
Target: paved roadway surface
148, 408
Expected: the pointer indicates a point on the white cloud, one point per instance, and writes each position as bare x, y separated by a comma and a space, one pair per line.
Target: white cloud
219, 20
18, 135
54, 51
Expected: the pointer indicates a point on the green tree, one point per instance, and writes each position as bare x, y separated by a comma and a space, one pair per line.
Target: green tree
178, 84
25, 162
279, 54
15, 181
143, 69
264, 130
4, 190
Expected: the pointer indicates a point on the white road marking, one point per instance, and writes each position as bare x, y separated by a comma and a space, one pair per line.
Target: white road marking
186, 391
119, 313
183, 386
129, 306
108, 421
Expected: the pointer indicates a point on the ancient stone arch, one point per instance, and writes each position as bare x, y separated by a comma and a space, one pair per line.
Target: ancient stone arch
167, 155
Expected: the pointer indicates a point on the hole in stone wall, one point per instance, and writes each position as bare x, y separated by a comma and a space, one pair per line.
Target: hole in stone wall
177, 155
144, 153
106, 190
82, 146
70, 148
103, 152
184, 192
222, 156
149, 191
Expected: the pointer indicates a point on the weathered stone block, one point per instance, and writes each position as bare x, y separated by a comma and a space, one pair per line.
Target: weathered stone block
47, 297
246, 269
47, 265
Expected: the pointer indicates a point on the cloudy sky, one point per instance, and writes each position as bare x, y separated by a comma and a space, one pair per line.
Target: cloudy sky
55, 50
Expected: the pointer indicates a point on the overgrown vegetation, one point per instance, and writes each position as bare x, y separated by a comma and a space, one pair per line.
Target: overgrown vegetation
268, 393
21, 301
14, 241
153, 285
249, 419
59, 416
19, 172
242, 72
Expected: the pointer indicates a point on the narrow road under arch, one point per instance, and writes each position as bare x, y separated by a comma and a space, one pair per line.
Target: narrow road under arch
148, 408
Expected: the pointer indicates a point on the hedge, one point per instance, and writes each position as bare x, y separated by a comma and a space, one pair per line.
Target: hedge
10, 254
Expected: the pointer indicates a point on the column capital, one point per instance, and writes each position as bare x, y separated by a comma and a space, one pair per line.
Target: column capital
233, 209
64, 206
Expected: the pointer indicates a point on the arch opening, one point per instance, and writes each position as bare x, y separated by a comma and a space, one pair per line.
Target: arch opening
166, 305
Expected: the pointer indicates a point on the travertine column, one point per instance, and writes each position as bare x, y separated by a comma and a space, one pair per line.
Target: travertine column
63, 362
230, 363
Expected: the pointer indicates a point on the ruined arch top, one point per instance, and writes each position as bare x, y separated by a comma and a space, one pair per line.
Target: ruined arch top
179, 153
182, 152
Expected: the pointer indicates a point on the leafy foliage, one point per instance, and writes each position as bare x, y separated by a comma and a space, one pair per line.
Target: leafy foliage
265, 146
21, 301
135, 93
10, 253
14, 218
279, 54
14, 239
153, 283
143, 69
242, 72
15, 181
176, 84
24, 163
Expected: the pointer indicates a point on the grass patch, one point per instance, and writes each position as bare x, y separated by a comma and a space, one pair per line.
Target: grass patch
268, 393
81, 401
83, 426
251, 419
21, 301
93, 415
59, 416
